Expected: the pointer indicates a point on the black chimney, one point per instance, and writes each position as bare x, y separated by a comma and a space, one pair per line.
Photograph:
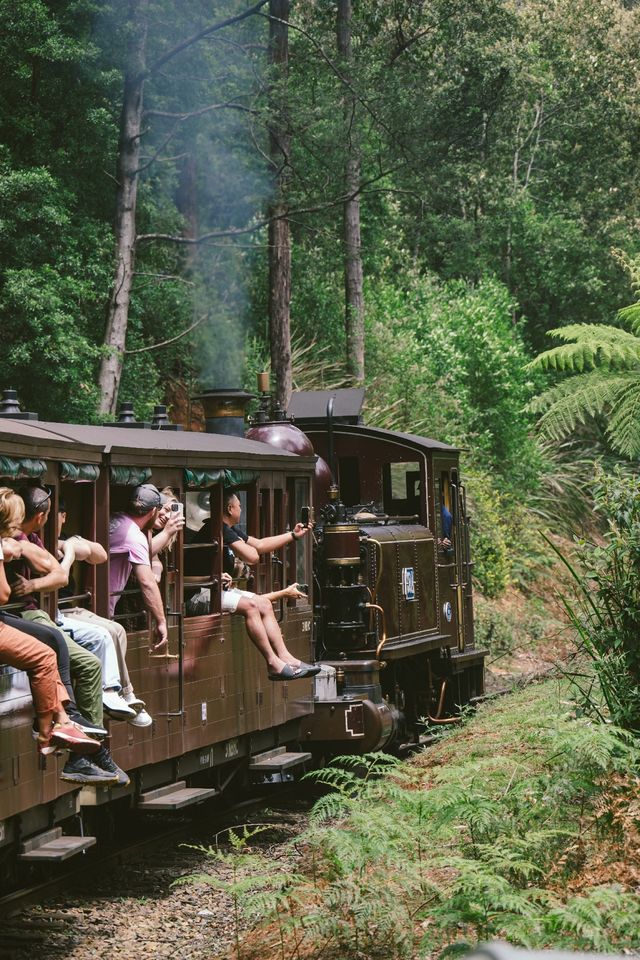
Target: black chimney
224, 410
10, 408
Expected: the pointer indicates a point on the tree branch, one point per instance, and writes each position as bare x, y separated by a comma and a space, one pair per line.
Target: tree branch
237, 231
164, 343
160, 62
229, 105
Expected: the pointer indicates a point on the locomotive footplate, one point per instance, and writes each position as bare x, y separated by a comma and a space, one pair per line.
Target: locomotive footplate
461, 660
411, 646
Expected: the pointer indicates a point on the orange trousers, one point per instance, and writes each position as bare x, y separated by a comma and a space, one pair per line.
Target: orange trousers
22, 651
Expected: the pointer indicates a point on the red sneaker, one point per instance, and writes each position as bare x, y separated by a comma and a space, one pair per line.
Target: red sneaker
71, 737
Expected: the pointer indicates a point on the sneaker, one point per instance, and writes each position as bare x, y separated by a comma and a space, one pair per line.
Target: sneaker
86, 725
70, 737
81, 770
115, 706
105, 761
141, 719
134, 702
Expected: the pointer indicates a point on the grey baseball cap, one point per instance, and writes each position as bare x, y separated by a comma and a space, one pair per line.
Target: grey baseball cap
145, 497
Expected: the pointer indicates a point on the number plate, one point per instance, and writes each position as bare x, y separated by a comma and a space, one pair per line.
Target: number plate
231, 748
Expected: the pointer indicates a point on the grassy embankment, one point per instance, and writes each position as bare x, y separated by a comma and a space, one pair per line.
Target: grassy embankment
521, 825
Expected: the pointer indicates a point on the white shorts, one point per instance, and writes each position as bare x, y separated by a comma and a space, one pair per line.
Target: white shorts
231, 598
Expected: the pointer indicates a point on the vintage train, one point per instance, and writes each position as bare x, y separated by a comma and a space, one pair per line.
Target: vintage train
389, 612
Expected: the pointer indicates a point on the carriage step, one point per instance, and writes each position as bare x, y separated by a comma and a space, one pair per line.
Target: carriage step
277, 765
175, 796
52, 846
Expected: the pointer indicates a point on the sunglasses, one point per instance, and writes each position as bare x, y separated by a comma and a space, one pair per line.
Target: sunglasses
41, 503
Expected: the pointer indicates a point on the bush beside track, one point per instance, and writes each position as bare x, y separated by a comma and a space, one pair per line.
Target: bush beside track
519, 826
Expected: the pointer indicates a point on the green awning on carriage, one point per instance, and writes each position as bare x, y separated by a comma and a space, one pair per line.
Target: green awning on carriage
23, 469
78, 472
130, 476
238, 478
201, 479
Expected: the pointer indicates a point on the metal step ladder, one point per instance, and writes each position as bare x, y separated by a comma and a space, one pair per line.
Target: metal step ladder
53, 847
276, 765
175, 796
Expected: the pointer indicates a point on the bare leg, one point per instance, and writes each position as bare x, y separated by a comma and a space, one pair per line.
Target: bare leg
272, 628
250, 610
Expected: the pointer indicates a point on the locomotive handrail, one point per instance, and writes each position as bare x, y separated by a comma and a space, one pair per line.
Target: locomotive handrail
376, 606
378, 546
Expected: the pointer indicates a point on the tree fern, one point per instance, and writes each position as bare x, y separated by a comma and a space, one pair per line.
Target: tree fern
605, 365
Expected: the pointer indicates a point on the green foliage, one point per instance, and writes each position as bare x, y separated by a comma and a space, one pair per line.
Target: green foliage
252, 886
403, 861
489, 534
448, 360
605, 611
605, 362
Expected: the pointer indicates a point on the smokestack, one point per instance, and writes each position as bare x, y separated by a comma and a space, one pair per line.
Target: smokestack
10, 408
224, 410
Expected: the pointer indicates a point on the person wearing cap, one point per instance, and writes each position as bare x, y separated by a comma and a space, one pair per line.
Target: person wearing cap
129, 551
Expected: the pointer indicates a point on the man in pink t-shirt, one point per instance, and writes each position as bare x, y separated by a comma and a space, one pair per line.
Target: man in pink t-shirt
129, 550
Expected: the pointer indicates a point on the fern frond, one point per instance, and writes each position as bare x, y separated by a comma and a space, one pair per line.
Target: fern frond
631, 316
594, 345
585, 395
623, 428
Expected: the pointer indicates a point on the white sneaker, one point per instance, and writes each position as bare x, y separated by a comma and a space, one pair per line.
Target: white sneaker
141, 719
134, 702
115, 706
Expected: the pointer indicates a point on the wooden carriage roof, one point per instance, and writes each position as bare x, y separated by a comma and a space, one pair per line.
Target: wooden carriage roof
378, 433
81, 442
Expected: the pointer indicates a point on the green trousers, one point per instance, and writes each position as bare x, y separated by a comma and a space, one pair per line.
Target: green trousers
85, 669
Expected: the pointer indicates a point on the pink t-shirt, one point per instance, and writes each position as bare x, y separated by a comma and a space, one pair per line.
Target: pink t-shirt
127, 545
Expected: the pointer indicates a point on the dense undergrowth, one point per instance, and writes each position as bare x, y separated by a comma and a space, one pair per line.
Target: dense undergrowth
521, 825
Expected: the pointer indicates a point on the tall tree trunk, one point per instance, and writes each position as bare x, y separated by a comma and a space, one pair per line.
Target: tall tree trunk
125, 229
279, 228
353, 278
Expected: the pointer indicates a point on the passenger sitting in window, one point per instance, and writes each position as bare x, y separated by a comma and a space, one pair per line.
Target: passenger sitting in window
260, 620
84, 667
18, 649
105, 638
257, 609
39, 571
129, 551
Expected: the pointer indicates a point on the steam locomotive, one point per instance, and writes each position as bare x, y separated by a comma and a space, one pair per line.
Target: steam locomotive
389, 613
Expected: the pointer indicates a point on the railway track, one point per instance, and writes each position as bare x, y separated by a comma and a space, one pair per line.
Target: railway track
200, 827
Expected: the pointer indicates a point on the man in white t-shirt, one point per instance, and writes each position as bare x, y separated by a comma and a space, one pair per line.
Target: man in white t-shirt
129, 550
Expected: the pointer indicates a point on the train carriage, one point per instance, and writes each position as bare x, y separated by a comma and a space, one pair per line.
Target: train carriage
214, 710
389, 614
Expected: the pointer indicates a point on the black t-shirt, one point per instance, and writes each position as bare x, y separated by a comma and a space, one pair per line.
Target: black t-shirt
230, 535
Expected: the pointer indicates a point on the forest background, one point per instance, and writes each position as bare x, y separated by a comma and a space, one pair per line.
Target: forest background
408, 194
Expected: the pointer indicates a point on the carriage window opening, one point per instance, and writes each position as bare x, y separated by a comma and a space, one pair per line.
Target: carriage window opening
76, 517
203, 511
349, 480
298, 551
445, 511
401, 486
